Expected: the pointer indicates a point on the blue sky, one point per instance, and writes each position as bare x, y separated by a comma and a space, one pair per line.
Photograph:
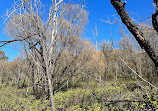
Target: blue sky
98, 10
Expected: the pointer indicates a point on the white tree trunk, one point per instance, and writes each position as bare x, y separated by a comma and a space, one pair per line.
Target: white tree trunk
49, 66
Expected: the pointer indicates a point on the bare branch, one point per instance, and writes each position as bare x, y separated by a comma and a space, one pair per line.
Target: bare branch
15, 40
138, 74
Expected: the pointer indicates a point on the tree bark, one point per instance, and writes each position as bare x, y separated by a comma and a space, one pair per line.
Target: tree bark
137, 33
50, 86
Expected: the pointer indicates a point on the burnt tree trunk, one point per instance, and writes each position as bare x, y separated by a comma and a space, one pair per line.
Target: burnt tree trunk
137, 33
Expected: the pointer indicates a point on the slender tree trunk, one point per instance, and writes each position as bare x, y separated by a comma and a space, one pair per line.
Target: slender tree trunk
137, 33
0, 81
48, 69
18, 83
33, 77
48, 59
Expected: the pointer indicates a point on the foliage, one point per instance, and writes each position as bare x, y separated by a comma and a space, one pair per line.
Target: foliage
94, 97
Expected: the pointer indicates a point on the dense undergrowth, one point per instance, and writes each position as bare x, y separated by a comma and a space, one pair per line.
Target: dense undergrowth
88, 97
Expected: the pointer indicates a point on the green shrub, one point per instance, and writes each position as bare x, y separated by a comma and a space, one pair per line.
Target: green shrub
91, 97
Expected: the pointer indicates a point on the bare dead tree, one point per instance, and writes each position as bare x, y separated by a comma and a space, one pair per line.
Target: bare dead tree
46, 42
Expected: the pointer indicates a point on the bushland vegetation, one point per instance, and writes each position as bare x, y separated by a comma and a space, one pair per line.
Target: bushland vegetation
62, 71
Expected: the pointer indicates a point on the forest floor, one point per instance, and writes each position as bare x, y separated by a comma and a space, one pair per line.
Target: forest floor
91, 96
